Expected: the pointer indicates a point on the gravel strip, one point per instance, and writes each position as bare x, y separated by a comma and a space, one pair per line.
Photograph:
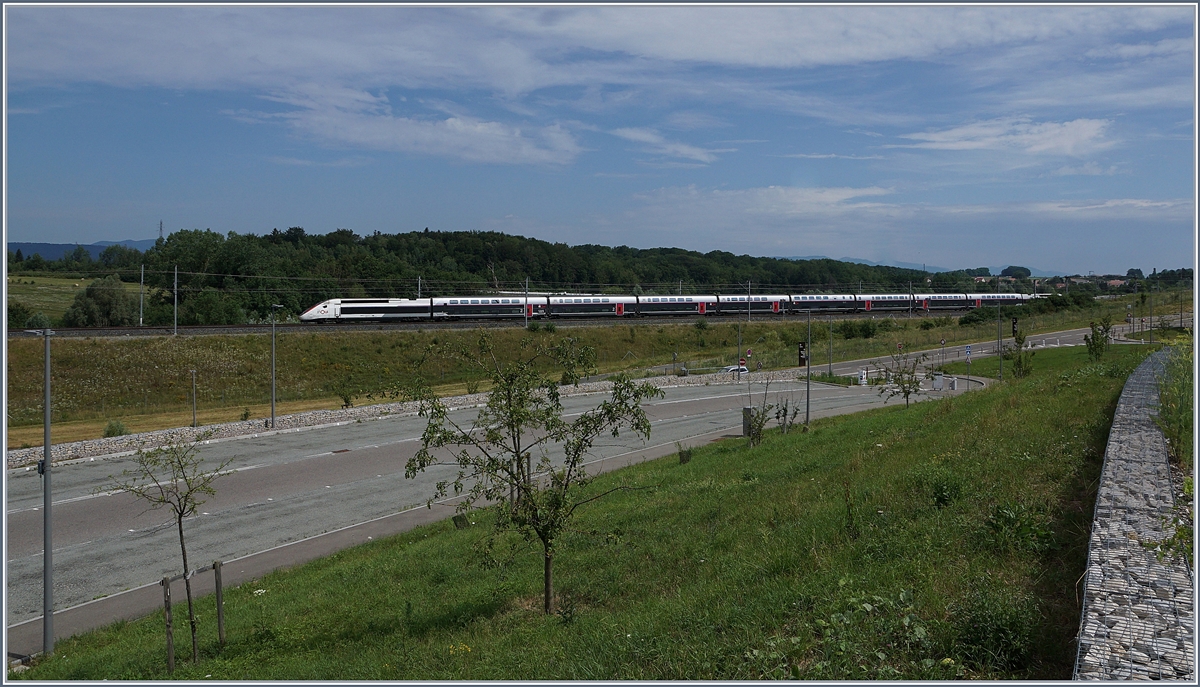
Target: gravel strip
1138, 612
130, 443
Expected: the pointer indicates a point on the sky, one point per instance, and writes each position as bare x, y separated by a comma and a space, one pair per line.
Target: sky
1060, 138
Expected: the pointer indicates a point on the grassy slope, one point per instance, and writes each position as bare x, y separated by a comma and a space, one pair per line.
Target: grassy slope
50, 295
958, 558
146, 383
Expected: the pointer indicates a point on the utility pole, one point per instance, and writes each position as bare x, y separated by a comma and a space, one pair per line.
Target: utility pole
999, 338
1150, 288
831, 346
273, 309
418, 286
747, 305
141, 294
808, 374
175, 293
193, 398
738, 353
47, 528
526, 308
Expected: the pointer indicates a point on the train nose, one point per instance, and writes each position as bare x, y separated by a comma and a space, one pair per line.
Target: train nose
317, 312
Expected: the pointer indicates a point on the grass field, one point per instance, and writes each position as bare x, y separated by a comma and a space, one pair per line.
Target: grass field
930, 542
145, 382
50, 295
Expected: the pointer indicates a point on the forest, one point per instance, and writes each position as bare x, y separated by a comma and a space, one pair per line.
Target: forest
234, 278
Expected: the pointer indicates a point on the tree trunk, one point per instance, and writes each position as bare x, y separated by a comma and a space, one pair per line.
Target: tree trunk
549, 585
187, 585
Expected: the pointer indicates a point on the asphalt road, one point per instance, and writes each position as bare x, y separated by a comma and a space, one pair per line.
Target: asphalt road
290, 497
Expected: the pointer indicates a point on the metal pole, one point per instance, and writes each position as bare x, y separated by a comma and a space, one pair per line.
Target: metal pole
1151, 290
175, 294
738, 353
47, 522
807, 373
418, 286
526, 308
747, 303
141, 294
272, 367
193, 398
999, 339
831, 345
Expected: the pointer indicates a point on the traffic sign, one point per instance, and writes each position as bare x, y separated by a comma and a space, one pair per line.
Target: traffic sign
749, 351
899, 346
943, 342
742, 361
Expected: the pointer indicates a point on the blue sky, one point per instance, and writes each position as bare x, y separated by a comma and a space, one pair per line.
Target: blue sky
1059, 138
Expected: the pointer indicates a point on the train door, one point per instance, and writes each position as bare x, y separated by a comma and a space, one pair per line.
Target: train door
925, 304
620, 309
528, 309
978, 302
703, 308
775, 307
337, 310
868, 305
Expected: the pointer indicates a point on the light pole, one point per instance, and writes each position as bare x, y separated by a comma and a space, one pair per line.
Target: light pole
274, 307
47, 539
175, 295
193, 398
830, 346
807, 373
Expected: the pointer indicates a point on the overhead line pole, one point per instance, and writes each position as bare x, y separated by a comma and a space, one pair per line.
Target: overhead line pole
808, 374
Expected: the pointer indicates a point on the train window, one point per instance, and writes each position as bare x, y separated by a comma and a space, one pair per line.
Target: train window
474, 301
578, 300
495, 301
689, 300
453, 302
605, 300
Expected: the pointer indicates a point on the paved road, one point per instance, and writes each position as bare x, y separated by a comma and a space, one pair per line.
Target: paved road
291, 497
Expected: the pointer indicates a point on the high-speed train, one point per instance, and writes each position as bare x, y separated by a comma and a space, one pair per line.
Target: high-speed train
607, 305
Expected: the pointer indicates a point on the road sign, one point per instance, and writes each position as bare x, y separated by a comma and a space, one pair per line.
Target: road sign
968, 350
943, 342
749, 351
742, 361
1014, 320
899, 347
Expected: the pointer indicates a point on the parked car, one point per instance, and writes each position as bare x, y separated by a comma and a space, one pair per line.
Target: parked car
735, 368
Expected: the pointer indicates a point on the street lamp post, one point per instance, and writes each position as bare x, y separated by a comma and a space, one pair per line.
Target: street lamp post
193, 398
47, 539
808, 373
274, 307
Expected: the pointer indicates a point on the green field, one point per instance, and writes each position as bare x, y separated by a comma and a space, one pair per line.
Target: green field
146, 382
51, 295
930, 542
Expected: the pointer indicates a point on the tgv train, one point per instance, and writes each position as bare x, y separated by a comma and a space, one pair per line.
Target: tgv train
600, 305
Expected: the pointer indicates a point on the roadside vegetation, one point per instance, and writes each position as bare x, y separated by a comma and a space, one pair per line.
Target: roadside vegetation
939, 541
145, 382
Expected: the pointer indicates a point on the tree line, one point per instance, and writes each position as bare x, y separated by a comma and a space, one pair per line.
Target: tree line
235, 278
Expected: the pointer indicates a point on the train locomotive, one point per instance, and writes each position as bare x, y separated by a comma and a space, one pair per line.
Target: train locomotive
508, 306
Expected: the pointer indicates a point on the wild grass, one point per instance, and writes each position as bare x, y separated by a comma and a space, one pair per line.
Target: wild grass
934, 542
51, 295
146, 381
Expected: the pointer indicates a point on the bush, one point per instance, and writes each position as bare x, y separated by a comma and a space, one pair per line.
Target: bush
18, 314
115, 428
38, 321
104, 303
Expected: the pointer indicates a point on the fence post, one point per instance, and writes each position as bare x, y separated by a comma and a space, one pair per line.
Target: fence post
166, 584
220, 603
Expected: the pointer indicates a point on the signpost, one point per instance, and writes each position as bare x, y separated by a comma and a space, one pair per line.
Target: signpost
943, 352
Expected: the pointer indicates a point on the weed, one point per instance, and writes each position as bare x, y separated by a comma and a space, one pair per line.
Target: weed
994, 625
115, 428
1016, 527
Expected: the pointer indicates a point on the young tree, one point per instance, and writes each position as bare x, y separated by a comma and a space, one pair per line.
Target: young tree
1022, 359
1098, 341
902, 374
173, 477
523, 418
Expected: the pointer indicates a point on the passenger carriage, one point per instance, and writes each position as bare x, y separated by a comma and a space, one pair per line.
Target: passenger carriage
822, 303
883, 301
595, 305
940, 301
767, 304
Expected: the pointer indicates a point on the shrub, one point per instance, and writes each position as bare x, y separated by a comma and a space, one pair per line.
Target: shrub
18, 314
38, 321
534, 326
115, 428
1014, 526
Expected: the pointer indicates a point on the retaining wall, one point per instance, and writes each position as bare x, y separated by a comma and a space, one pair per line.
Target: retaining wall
1138, 615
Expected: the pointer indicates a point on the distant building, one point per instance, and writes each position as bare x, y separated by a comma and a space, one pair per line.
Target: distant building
982, 279
1114, 283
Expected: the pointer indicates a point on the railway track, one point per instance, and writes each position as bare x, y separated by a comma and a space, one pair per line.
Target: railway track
292, 327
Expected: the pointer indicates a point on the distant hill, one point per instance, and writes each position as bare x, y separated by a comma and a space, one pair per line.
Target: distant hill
928, 268
55, 251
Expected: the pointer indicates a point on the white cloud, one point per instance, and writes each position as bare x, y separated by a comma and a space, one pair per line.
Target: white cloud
1167, 46
832, 156
1089, 168
1074, 138
657, 144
